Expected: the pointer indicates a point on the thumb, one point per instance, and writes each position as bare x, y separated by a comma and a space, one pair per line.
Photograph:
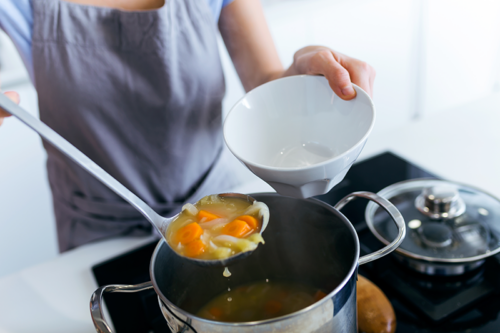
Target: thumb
13, 96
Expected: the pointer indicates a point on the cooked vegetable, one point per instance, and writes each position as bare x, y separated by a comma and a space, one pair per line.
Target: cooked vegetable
319, 295
216, 312
237, 228
256, 238
205, 216
225, 226
195, 248
217, 223
272, 307
222, 252
243, 245
188, 233
250, 220
190, 209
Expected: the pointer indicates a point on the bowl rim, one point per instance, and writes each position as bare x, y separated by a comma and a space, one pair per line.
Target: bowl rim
309, 167
351, 272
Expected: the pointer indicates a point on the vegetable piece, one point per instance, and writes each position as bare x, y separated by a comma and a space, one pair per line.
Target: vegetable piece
250, 220
242, 244
256, 238
263, 211
214, 223
245, 245
207, 216
272, 307
190, 208
195, 248
188, 233
216, 312
237, 228
319, 295
222, 253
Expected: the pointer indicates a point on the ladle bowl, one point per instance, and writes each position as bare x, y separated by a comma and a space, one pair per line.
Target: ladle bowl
159, 222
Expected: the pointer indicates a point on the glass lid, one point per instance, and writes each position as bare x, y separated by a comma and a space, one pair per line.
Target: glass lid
445, 221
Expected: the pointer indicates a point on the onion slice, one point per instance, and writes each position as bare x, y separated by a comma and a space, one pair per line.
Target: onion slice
213, 223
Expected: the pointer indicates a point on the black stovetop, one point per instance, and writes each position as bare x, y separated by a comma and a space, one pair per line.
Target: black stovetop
468, 303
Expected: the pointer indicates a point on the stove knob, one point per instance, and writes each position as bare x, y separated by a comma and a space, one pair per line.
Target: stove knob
440, 202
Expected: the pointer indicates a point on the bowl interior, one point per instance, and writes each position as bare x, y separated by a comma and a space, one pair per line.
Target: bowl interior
307, 241
296, 122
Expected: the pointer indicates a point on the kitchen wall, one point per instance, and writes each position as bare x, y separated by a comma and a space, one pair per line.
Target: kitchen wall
429, 56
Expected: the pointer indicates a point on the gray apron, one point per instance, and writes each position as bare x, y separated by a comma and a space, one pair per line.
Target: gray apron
140, 94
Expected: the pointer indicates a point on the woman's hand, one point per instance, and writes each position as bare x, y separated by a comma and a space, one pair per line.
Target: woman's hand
339, 69
244, 29
14, 97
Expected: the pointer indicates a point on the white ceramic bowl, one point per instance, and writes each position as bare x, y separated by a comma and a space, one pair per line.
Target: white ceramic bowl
297, 135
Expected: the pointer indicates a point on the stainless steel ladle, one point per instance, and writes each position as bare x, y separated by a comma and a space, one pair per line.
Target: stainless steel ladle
159, 222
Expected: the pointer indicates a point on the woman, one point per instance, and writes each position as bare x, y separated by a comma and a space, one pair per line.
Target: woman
137, 86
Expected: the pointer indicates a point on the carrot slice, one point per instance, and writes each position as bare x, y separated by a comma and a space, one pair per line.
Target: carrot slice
237, 228
250, 220
195, 248
188, 233
207, 215
216, 312
319, 295
272, 307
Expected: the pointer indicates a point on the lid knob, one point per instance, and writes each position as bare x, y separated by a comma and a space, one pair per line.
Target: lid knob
440, 202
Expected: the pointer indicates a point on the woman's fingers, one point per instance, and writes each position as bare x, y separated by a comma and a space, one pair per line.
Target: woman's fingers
361, 73
338, 76
340, 70
15, 98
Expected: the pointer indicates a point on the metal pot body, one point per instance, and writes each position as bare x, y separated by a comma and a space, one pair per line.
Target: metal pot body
310, 242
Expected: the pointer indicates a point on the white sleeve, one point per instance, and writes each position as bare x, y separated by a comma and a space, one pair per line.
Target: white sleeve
16, 19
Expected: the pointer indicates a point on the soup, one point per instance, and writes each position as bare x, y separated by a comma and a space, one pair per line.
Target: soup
217, 227
260, 301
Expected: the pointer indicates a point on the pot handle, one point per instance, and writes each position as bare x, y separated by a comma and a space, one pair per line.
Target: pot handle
100, 323
389, 208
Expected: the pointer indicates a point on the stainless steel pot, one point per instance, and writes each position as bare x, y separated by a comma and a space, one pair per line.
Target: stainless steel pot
307, 241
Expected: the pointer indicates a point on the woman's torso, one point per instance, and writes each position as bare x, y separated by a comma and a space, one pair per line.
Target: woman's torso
140, 94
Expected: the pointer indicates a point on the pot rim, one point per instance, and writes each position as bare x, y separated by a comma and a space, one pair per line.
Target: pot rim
328, 297
370, 210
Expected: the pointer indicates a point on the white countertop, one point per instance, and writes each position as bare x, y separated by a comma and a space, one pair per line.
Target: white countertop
460, 144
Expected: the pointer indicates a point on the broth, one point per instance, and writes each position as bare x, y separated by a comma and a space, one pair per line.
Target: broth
260, 301
217, 227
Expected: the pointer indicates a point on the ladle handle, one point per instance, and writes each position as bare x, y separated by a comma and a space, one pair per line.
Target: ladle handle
100, 323
389, 208
79, 158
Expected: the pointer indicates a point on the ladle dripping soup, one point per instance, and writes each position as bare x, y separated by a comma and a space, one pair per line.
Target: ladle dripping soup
159, 222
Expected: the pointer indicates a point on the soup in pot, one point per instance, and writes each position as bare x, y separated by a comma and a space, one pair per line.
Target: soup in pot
217, 227
260, 301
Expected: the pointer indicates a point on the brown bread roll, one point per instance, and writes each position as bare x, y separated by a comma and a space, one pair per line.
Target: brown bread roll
375, 312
